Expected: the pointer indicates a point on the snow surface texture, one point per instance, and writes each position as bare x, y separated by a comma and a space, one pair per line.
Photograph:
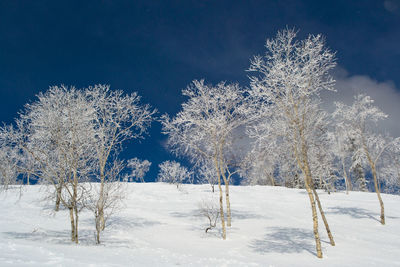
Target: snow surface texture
161, 226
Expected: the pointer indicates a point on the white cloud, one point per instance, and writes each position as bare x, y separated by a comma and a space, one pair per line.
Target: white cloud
385, 94
391, 5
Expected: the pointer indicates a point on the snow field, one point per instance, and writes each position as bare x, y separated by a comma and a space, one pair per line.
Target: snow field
161, 226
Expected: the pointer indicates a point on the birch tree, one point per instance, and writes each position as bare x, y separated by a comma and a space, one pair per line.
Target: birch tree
56, 131
138, 168
173, 173
206, 174
290, 77
118, 118
9, 158
202, 130
360, 121
114, 192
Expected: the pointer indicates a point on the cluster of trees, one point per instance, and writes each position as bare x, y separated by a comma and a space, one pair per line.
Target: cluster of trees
70, 138
275, 132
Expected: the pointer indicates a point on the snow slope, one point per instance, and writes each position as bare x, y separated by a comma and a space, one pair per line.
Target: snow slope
161, 226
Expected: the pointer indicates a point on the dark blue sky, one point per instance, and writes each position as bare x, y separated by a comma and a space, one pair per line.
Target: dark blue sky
157, 47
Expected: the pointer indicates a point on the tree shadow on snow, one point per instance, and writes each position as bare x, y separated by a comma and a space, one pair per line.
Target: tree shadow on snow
236, 215
86, 237
118, 222
285, 240
191, 214
357, 213
245, 215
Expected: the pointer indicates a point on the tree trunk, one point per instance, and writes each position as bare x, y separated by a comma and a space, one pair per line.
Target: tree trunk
76, 224
100, 202
98, 226
58, 196
308, 183
323, 217
378, 193
228, 203
71, 216
271, 178
361, 178
347, 182
315, 219
221, 209
97, 236
74, 208
221, 204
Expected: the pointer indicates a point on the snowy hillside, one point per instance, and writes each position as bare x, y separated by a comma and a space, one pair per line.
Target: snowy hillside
161, 226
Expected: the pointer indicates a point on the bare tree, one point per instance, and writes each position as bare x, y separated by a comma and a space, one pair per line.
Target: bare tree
291, 75
172, 172
360, 121
9, 158
56, 131
118, 118
114, 192
203, 129
209, 209
138, 168
206, 174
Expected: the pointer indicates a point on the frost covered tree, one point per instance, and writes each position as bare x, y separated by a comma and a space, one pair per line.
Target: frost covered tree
114, 192
290, 77
360, 120
321, 156
203, 129
173, 173
138, 168
118, 117
206, 175
270, 161
342, 150
57, 132
10, 159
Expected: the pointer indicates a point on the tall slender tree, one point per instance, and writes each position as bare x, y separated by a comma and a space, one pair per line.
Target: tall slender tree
360, 121
290, 77
203, 129
118, 117
56, 131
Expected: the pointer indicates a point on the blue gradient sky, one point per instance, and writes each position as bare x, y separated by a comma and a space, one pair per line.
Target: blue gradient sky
157, 47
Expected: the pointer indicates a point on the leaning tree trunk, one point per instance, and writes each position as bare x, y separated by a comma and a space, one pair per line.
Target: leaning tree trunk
314, 213
328, 230
304, 166
378, 193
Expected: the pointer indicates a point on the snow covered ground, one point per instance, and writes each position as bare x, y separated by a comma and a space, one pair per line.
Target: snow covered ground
161, 226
